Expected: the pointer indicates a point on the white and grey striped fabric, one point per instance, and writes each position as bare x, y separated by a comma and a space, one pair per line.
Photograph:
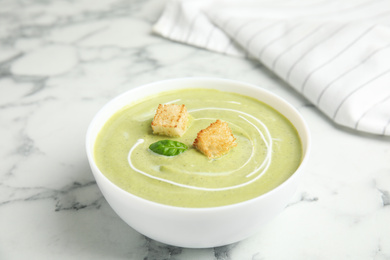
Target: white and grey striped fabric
335, 53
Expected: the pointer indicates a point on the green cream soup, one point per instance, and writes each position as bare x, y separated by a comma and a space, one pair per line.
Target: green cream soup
268, 151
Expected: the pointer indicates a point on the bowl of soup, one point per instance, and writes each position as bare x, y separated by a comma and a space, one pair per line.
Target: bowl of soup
189, 200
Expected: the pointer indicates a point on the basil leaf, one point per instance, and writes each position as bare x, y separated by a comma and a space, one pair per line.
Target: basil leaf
168, 147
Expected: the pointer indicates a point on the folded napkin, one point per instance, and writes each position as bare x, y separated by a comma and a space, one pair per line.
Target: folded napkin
335, 53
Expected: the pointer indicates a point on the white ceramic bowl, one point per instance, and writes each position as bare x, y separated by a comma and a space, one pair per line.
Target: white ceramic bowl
197, 227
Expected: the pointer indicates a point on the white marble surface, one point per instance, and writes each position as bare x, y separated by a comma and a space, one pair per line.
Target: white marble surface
60, 61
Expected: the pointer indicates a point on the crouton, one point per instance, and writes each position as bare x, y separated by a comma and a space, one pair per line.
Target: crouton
215, 140
170, 120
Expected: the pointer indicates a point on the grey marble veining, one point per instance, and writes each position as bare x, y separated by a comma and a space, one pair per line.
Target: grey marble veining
60, 61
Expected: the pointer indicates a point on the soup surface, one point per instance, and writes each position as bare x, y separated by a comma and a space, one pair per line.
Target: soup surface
268, 151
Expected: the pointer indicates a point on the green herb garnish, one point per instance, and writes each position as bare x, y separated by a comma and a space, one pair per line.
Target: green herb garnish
168, 147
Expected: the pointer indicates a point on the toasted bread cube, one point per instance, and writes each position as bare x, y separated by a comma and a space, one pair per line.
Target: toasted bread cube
215, 140
170, 120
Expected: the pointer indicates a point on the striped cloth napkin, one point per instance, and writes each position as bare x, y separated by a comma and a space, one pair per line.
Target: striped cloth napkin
335, 53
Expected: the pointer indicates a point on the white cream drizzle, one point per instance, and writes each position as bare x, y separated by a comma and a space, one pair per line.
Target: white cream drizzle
260, 170
173, 101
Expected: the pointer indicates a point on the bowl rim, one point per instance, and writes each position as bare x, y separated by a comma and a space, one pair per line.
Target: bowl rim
305, 129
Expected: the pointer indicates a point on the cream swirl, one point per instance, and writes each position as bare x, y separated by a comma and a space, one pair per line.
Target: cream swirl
258, 171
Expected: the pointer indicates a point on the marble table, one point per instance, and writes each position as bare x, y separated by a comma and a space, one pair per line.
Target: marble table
60, 61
